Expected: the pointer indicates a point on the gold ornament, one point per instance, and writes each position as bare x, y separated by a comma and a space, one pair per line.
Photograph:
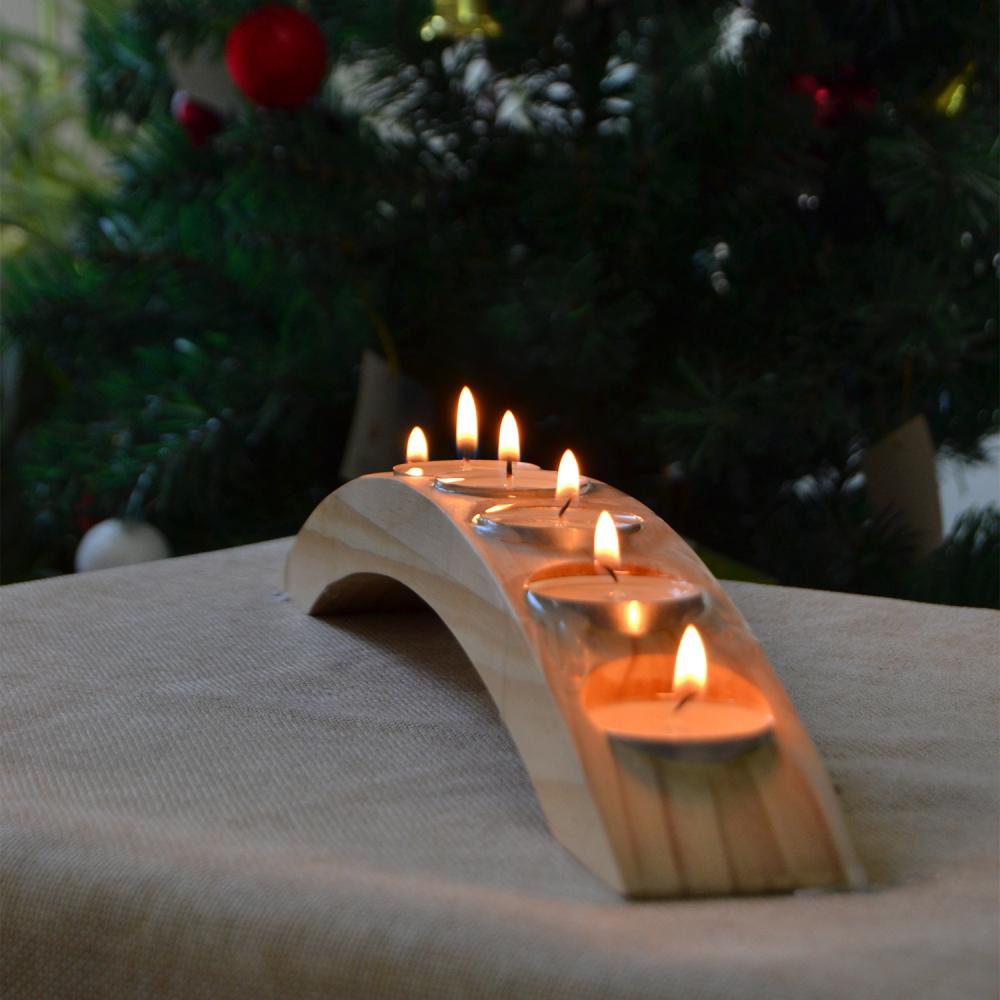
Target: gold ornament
460, 19
951, 100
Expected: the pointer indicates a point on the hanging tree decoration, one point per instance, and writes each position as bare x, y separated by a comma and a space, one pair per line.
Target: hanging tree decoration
119, 542
951, 98
277, 56
123, 541
834, 99
456, 19
197, 119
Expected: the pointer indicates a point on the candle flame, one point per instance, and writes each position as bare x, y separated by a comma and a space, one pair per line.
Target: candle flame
466, 424
606, 550
510, 440
691, 665
416, 447
568, 477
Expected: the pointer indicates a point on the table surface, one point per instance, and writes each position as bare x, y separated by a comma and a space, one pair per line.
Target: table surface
206, 793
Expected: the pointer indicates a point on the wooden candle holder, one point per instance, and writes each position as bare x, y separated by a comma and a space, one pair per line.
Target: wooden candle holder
766, 820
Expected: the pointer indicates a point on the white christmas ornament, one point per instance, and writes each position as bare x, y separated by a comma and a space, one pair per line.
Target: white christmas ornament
202, 74
115, 542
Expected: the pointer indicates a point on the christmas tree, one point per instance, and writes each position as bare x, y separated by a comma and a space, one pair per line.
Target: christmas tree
719, 251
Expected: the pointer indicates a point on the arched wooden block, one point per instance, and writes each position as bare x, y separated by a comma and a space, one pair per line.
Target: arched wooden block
765, 822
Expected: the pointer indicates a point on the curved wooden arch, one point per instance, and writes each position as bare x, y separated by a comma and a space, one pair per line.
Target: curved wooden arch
768, 821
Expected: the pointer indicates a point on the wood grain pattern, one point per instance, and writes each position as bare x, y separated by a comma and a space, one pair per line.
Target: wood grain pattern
765, 822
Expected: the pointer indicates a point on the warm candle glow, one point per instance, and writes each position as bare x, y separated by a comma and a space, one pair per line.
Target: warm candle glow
568, 477
466, 424
606, 551
416, 447
691, 665
633, 617
510, 440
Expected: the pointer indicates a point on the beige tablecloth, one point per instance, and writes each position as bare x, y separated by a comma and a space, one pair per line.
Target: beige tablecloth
205, 793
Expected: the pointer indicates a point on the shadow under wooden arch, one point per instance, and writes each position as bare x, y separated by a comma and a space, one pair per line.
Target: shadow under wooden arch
768, 821
367, 592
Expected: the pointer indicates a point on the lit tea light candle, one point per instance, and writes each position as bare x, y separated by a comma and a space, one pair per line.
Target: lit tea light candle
563, 525
567, 481
417, 464
466, 427
509, 477
684, 722
509, 449
416, 455
631, 599
416, 447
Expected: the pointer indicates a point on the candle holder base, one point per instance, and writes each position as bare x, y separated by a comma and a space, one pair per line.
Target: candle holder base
765, 819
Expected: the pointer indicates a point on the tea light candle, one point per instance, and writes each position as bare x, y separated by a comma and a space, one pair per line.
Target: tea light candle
542, 524
530, 483
637, 601
683, 723
633, 600
507, 478
699, 731
446, 469
556, 525
416, 455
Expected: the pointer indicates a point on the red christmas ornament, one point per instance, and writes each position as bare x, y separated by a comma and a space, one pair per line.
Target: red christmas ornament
277, 56
838, 98
197, 119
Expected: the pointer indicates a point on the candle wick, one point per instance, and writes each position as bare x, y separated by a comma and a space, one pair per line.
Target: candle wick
565, 506
684, 699
598, 566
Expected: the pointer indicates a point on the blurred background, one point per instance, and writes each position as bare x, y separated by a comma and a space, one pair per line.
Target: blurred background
742, 258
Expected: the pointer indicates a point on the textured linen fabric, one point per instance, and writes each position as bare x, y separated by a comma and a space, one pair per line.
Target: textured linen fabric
206, 793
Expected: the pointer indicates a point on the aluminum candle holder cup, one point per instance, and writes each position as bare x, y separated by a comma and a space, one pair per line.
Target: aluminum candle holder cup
539, 523
637, 600
631, 699
766, 820
531, 483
